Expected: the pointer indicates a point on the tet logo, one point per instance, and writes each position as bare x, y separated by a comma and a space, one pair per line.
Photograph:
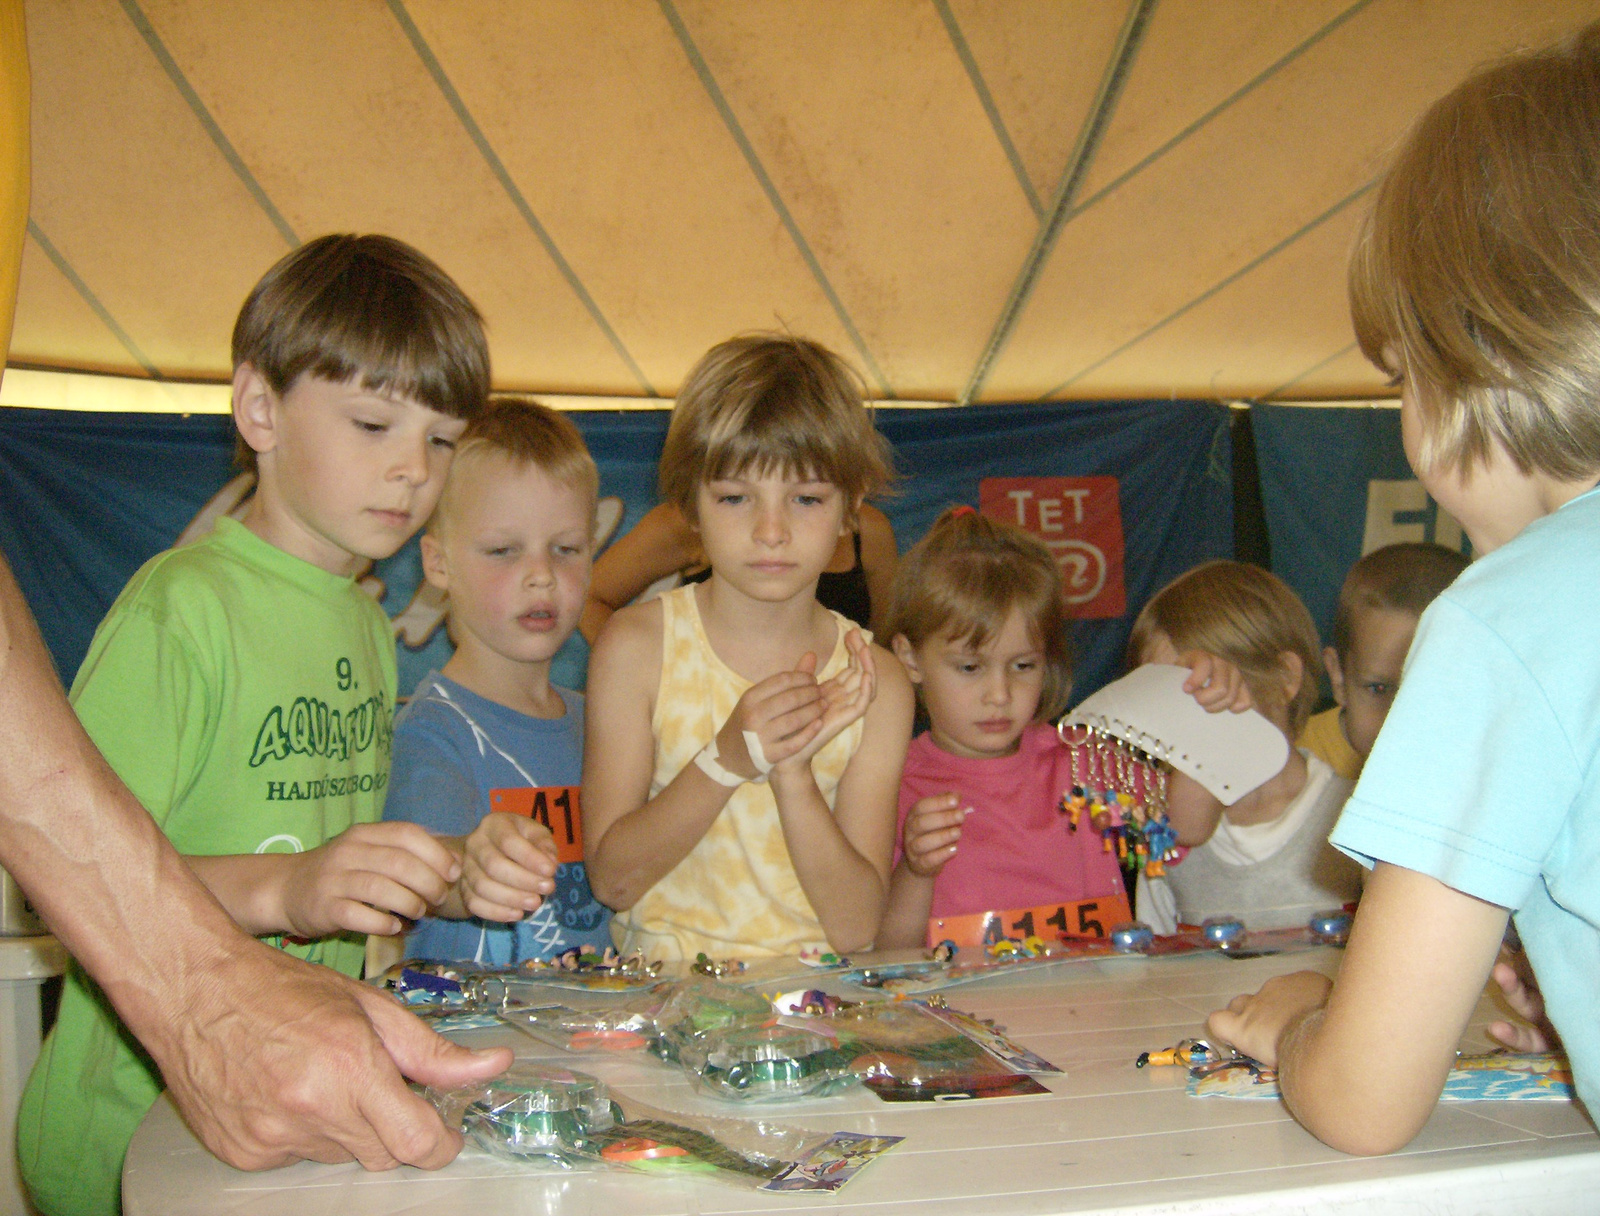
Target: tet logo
1080, 518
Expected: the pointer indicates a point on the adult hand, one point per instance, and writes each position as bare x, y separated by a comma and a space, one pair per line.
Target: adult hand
508, 867
284, 1060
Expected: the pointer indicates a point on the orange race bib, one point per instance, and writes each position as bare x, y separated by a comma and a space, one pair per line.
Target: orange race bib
555, 806
1085, 918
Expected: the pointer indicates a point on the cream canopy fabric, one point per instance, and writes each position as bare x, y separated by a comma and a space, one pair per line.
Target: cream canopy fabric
973, 200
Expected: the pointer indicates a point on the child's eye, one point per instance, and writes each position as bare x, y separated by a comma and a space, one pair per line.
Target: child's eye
372, 428
498, 551
569, 550
443, 441
1380, 690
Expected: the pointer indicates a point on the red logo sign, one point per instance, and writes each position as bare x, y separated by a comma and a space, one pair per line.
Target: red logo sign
1080, 518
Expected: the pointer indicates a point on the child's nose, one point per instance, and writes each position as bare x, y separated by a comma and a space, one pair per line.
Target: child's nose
411, 462
537, 572
771, 526
996, 689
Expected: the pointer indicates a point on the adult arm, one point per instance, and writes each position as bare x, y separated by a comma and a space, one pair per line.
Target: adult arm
879, 557
267, 1058
1362, 1065
661, 543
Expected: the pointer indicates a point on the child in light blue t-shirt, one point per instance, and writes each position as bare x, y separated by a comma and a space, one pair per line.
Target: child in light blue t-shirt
1476, 284
489, 753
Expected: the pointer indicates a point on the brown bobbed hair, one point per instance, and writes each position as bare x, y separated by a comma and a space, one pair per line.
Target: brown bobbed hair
772, 402
1476, 274
1243, 614
343, 306
964, 578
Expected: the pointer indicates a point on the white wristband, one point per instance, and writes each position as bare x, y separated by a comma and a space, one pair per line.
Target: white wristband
706, 761
758, 755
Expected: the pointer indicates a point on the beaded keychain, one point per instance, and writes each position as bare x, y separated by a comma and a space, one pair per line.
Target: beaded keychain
1123, 789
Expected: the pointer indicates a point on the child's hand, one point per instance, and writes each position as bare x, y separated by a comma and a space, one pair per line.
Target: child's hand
1521, 991
366, 879
508, 868
782, 712
845, 696
1216, 683
932, 828
1254, 1024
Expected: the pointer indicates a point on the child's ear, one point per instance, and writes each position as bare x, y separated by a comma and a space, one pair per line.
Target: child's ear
852, 517
434, 567
907, 654
254, 408
1294, 674
1330, 660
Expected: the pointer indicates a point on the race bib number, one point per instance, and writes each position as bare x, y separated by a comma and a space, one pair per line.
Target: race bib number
1051, 922
555, 806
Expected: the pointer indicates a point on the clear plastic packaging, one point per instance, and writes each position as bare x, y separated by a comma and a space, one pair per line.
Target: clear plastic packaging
766, 1063
556, 1119
696, 1008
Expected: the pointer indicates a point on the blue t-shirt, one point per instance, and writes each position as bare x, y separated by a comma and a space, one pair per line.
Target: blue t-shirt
457, 756
1484, 776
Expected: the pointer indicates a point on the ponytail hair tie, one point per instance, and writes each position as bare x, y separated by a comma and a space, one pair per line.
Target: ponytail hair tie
963, 509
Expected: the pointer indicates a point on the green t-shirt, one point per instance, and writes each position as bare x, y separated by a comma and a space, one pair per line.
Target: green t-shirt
247, 698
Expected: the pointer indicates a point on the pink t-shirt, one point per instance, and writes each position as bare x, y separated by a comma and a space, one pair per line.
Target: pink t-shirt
1015, 850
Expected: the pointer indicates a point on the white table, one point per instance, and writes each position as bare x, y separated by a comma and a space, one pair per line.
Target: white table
25, 964
1109, 1137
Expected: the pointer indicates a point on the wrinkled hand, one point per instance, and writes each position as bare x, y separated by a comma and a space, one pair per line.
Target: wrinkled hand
509, 866
1215, 683
932, 828
1521, 989
365, 879
281, 1060
1255, 1024
846, 696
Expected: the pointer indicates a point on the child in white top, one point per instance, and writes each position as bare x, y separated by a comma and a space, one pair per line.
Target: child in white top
1266, 858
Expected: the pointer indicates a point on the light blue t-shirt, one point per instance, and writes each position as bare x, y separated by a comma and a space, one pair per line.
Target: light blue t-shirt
457, 756
1485, 773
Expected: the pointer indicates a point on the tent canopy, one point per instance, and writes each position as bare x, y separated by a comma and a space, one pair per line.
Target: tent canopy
973, 200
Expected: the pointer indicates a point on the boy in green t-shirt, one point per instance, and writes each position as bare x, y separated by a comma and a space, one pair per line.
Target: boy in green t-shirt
244, 686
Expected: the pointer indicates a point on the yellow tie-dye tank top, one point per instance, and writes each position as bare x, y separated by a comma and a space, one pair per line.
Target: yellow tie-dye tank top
736, 894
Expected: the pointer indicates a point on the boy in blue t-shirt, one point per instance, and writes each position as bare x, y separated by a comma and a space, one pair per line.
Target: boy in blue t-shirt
489, 752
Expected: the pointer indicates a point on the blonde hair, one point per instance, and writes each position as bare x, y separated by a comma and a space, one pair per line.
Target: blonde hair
344, 305
965, 577
772, 402
1404, 577
1242, 614
1476, 275
528, 434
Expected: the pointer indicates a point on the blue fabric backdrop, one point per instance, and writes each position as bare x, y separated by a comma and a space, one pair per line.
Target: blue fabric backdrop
85, 499
1335, 485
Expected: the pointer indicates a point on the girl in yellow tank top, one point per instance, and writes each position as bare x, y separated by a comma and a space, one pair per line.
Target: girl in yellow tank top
744, 743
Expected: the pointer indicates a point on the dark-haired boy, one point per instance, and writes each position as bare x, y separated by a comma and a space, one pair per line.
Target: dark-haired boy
243, 687
1379, 605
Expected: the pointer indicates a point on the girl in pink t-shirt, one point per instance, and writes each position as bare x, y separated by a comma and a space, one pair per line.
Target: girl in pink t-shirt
978, 619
